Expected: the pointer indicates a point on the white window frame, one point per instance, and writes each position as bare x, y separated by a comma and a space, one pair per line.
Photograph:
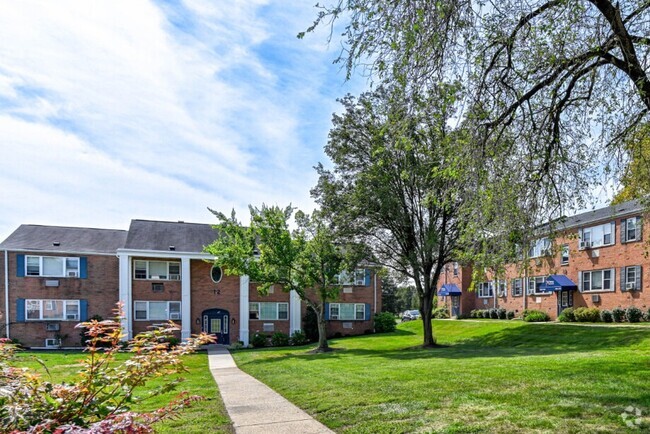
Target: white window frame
612, 280
564, 249
636, 221
64, 266
485, 290
502, 288
148, 275
585, 241
533, 285
359, 310
357, 278
518, 287
258, 309
539, 248
627, 275
41, 309
168, 310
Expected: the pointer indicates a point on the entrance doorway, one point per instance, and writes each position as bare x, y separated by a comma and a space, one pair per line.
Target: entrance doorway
217, 322
455, 305
564, 300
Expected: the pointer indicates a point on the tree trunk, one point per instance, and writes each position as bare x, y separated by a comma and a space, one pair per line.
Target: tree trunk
426, 303
322, 330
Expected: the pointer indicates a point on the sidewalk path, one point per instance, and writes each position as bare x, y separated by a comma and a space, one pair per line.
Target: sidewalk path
252, 406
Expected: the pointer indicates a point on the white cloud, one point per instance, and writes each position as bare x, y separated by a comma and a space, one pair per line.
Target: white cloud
118, 110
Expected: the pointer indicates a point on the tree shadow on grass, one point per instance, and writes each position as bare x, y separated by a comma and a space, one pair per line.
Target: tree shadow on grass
531, 340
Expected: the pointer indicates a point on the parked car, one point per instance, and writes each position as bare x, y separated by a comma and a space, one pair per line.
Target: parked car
409, 315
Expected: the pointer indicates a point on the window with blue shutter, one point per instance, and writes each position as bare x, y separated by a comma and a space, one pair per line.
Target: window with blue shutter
367, 311
83, 310
83, 267
20, 310
367, 280
327, 311
20, 266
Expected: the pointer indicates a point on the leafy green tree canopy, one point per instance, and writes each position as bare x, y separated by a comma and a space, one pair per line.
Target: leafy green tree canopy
307, 259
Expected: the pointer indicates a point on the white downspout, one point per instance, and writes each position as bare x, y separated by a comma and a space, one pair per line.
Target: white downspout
7, 293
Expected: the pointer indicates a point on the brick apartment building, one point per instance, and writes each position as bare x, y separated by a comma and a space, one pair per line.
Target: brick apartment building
55, 277
597, 259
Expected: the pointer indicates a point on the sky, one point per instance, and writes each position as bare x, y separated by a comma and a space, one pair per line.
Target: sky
112, 111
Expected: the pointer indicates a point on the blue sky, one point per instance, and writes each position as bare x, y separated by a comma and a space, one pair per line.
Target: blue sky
133, 109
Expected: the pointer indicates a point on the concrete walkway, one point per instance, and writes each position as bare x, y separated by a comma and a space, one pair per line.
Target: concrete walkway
252, 406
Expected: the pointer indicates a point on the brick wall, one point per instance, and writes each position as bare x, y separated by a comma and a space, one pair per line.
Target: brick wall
100, 289
614, 256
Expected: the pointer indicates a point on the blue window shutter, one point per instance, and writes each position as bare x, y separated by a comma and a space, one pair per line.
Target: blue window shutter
83, 267
638, 277
20, 266
327, 311
367, 277
623, 231
623, 279
367, 311
83, 310
580, 281
639, 228
20, 310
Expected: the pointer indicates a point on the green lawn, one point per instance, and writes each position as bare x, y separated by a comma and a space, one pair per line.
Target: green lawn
493, 377
207, 416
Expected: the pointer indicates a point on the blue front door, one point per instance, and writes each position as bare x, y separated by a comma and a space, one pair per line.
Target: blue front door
217, 322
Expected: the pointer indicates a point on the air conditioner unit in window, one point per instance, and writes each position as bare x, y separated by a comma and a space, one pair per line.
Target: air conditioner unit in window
72, 316
52, 343
630, 286
175, 315
595, 253
334, 317
52, 327
585, 244
73, 273
595, 298
174, 277
155, 277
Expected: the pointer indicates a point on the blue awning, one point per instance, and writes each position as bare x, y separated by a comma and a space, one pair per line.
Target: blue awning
558, 282
449, 289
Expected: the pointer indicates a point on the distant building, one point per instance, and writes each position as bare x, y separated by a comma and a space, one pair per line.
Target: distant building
55, 277
596, 259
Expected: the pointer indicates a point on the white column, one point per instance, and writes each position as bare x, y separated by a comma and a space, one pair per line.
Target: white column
125, 294
186, 302
294, 312
243, 309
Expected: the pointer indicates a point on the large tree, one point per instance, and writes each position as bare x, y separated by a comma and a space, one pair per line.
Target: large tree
307, 259
562, 82
636, 177
399, 184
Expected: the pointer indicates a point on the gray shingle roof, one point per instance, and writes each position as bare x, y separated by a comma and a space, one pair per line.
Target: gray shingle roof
43, 238
599, 215
159, 236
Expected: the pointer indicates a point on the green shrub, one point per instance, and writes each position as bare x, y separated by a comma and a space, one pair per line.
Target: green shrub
440, 312
618, 314
587, 314
510, 314
259, 340
606, 316
279, 339
494, 313
531, 315
633, 314
567, 315
473, 313
298, 338
646, 316
485, 313
384, 322
501, 313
